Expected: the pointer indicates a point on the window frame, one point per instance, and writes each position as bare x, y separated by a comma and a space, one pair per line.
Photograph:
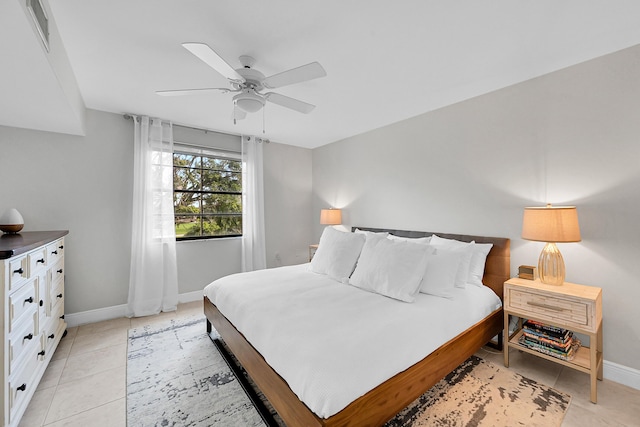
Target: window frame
182, 148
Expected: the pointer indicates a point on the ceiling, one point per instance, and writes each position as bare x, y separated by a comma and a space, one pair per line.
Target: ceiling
385, 61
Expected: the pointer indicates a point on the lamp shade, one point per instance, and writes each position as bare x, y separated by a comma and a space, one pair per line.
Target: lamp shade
330, 216
555, 224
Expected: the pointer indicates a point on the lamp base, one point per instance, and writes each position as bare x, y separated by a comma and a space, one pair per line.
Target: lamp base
551, 265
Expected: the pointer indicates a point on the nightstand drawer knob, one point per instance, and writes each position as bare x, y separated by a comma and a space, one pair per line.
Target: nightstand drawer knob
23, 387
550, 307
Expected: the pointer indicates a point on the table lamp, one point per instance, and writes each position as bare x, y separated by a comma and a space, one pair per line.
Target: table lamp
551, 224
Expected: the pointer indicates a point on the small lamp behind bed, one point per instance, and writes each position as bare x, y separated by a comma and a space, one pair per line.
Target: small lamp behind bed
330, 216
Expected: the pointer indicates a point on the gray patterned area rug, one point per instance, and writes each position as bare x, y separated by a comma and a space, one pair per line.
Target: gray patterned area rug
177, 377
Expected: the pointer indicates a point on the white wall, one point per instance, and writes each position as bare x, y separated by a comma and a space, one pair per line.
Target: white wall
571, 137
84, 184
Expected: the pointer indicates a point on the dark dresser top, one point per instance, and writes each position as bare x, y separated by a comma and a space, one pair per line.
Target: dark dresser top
16, 244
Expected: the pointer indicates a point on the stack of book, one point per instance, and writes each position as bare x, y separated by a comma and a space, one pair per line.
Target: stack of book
551, 340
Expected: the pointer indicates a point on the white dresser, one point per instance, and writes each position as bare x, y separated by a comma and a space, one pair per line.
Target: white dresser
32, 276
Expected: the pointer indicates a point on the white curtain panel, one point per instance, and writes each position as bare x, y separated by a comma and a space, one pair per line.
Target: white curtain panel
153, 280
253, 240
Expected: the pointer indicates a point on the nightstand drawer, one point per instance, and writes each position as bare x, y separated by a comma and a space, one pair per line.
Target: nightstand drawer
550, 307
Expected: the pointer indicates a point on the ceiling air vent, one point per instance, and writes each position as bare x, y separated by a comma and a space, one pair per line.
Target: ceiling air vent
37, 12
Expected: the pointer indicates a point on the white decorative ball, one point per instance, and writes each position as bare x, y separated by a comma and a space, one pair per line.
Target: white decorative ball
11, 221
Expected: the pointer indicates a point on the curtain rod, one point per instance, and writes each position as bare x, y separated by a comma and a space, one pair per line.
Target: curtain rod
129, 116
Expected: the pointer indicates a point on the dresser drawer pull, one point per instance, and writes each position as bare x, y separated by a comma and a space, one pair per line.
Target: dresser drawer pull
28, 337
29, 300
41, 353
59, 295
41, 303
52, 336
23, 387
61, 247
18, 271
41, 260
59, 271
62, 317
54, 252
542, 305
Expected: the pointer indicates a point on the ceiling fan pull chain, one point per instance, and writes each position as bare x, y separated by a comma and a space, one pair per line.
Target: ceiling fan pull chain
263, 113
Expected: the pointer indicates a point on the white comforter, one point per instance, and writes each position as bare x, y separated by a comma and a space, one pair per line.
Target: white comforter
333, 342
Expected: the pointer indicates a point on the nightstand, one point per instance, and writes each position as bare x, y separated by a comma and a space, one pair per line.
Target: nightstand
312, 251
570, 306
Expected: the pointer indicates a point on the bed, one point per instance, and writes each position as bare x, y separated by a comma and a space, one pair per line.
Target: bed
383, 401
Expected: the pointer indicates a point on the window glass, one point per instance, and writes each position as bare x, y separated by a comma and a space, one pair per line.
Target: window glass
207, 193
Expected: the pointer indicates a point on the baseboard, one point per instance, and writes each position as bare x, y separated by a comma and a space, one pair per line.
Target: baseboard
97, 315
621, 374
108, 313
190, 297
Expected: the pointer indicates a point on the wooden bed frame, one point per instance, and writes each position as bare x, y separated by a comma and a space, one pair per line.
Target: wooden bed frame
386, 400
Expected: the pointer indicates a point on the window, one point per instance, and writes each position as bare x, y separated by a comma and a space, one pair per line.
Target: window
207, 192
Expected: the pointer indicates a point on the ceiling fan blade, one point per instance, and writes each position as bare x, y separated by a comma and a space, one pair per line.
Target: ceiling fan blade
287, 102
212, 59
181, 92
296, 75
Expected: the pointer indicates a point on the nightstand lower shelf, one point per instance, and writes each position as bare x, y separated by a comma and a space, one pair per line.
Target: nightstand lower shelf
581, 361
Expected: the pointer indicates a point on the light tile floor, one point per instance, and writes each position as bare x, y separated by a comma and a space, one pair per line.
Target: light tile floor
85, 383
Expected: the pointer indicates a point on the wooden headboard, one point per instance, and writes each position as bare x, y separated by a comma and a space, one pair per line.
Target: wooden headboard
497, 269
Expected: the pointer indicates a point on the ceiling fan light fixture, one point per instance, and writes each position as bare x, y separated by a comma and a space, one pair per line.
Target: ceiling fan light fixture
249, 101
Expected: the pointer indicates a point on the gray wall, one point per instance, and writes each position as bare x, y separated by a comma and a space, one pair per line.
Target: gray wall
83, 184
571, 137
288, 217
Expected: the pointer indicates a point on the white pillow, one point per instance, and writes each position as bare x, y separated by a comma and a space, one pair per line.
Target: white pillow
391, 268
478, 260
440, 274
441, 241
479, 252
454, 245
421, 240
371, 233
337, 253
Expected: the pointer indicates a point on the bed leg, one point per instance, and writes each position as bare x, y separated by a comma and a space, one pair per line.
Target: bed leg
497, 345
209, 327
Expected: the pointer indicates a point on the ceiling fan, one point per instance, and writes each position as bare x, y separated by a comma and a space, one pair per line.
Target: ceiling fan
249, 83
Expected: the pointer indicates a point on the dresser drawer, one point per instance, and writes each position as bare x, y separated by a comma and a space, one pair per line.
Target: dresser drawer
22, 384
37, 260
57, 272
22, 303
18, 272
57, 294
53, 329
550, 308
24, 337
55, 251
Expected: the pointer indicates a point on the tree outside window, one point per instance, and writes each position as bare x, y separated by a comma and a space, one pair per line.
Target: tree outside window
207, 195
